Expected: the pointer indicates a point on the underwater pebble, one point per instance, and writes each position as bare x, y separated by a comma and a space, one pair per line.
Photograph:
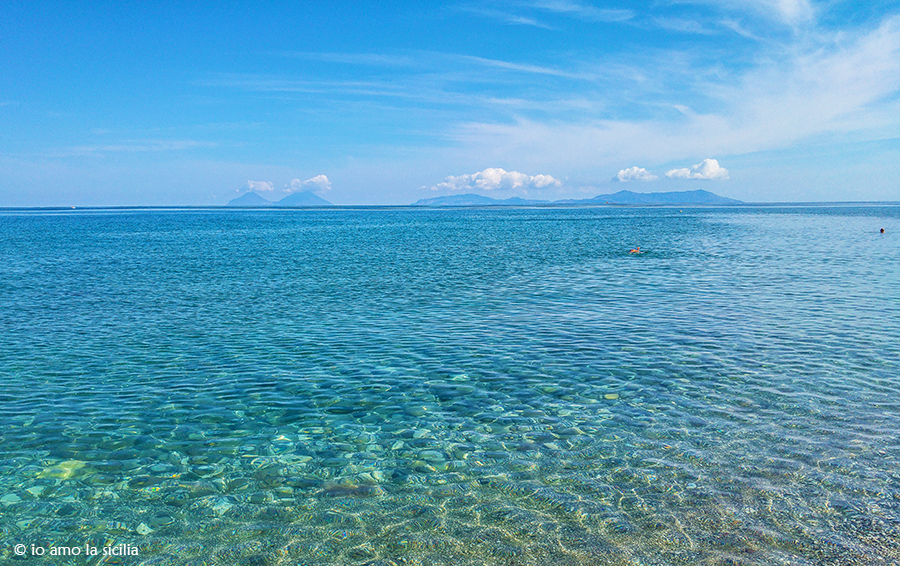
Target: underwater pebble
161, 521
207, 470
260, 497
66, 510
611, 396
284, 492
36, 490
10, 499
222, 506
63, 470
366, 477
143, 530
177, 499
238, 484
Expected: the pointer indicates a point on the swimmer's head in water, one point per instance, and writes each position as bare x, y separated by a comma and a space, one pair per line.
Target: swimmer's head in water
882, 230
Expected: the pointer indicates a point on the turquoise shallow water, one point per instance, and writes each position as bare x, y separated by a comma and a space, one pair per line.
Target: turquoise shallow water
437, 387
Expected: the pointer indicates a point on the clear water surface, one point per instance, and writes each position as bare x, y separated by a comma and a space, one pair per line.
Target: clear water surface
452, 387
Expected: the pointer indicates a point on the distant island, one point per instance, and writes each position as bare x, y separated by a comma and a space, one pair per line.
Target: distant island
622, 197
476, 200
293, 199
253, 199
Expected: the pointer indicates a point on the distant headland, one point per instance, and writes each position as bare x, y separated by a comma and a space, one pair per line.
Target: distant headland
293, 199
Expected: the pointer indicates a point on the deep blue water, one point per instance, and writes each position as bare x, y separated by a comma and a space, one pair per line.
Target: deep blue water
408, 386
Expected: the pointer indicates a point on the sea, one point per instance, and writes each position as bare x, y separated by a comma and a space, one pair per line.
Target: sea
476, 386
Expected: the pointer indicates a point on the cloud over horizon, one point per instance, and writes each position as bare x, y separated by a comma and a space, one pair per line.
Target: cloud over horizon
634, 174
708, 170
255, 186
317, 184
493, 179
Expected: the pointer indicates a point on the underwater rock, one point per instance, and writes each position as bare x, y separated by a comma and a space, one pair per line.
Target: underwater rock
414, 410
284, 492
177, 498
161, 521
101, 479
431, 456
222, 506
399, 475
64, 470
350, 490
108, 466
10, 499
144, 481
260, 497
36, 490
301, 482
163, 469
238, 484
66, 510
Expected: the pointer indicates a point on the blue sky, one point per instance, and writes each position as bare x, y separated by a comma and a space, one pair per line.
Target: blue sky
168, 103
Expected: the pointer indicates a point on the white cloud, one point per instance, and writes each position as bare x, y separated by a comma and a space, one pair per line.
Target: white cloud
492, 179
318, 184
257, 186
634, 174
708, 169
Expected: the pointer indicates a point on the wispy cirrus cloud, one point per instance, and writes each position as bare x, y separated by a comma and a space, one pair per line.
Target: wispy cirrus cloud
825, 84
739, 29
526, 68
790, 12
138, 146
439, 79
583, 11
376, 59
683, 25
504, 17
434, 61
